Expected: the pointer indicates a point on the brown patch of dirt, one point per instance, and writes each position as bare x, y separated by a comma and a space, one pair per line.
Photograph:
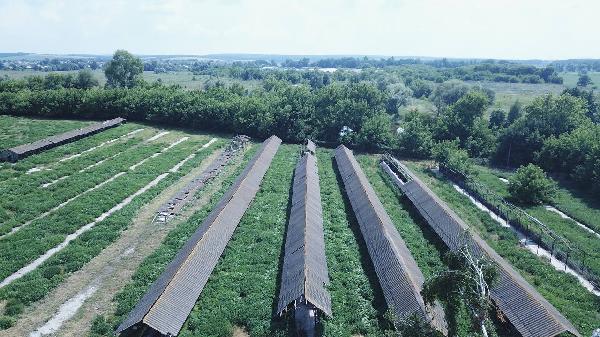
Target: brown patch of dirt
110, 270
239, 332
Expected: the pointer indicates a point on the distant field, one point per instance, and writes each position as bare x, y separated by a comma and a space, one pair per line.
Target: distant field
508, 93
185, 79
570, 78
17, 130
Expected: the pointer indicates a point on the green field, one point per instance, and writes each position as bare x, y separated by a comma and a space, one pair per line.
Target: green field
17, 131
571, 78
185, 79
41, 218
54, 194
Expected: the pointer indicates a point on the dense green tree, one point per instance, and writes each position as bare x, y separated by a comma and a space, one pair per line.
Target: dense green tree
497, 119
85, 79
584, 80
449, 154
415, 138
124, 70
420, 88
399, 95
546, 116
57, 81
591, 99
376, 133
448, 93
459, 119
481, 141
529, 185
576, 153
514, 112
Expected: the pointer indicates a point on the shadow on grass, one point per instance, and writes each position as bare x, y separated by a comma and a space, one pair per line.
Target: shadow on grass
285, 323
365, 259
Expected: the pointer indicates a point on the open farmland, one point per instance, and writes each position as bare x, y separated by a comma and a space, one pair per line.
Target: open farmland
85, 213
57, 229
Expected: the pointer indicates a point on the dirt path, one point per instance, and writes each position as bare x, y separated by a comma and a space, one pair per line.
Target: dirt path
72, 306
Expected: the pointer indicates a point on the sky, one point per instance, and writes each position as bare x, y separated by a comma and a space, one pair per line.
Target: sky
501, 29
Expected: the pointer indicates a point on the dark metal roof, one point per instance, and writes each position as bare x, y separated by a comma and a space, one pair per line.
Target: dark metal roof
304, 272
168, 302
69, 136
530, 313
398, 273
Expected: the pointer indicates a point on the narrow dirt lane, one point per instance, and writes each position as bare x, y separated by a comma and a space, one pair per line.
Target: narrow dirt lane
71, 307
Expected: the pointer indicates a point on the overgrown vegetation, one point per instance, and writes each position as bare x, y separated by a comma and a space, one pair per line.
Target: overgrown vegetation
529, 185
559, 288
35, 239
425, 247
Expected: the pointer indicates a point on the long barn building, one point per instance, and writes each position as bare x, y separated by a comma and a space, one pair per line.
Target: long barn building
17, 153
530, 313
399, 276
170, 299
304, 275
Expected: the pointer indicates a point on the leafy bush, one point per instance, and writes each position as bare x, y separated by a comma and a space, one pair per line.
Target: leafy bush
6, 322
529, 185
415, 139
101, 327
449, 154
14, 307
376, 132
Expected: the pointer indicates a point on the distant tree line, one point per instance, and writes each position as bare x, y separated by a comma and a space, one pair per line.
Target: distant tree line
577, 65
559, 133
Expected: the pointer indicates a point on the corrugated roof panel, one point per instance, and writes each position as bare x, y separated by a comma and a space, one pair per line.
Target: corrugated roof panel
530, 313
304, 272
399, 276
168, 302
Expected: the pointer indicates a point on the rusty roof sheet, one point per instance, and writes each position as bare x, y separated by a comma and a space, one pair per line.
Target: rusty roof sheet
304, 272
168, 302
530, 313
397, 271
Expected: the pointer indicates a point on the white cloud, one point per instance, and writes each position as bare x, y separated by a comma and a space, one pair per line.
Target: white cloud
452, 28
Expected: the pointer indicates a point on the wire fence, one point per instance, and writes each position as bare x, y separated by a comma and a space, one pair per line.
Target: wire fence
561, 248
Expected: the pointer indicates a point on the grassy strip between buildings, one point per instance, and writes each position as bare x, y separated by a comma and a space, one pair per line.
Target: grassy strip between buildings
577, 304
357, 300
35, 285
